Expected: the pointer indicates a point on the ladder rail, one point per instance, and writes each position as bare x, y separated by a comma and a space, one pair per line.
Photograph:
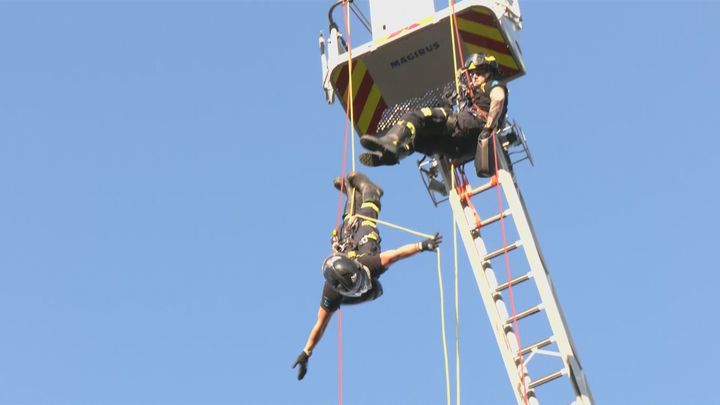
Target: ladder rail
489, 288
543, 281
487, 283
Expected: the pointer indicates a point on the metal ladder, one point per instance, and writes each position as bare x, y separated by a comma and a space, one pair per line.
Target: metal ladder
553, 344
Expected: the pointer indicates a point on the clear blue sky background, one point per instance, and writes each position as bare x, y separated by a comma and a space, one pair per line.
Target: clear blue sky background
165, 203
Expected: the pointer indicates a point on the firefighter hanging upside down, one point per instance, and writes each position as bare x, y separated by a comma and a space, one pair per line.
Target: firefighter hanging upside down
352, 271
440, 130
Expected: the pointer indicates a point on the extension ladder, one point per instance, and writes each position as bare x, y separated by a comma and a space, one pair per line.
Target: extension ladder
552, 352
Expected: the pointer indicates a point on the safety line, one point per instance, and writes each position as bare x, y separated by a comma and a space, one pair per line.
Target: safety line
340, 386
456, 37
454, 52
337, 229
391, 225
350, 83
516, 328
442, 325
463, 191
462, 57
349, 124
452, 184
342, 175
442, 293
454, 25
441, 288
349, 119
457, 302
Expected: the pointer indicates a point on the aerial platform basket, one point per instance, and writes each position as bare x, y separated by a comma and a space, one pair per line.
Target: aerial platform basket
412, 67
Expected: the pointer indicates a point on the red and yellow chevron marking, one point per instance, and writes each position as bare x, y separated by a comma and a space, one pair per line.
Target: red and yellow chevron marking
404, 31
480, 33
368, 103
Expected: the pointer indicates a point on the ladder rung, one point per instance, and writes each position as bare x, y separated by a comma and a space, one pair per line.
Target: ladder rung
535, 346
501, 251
546, 379
487, 186
513, 282
494, 218
524, 314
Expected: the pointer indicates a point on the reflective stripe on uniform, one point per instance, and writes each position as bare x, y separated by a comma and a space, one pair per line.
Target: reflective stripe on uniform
368, 223
373, 235
426, 111
411, 127
368, 204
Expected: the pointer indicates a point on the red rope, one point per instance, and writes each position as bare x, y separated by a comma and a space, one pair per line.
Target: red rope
462, 58
516, 328
340, 385
337, 228
342, 171
348, 103
500, 208
460, 52
457, 38
464, 193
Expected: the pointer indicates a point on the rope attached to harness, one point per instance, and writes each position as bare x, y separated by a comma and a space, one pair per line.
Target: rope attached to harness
516, 328
391, 225
454, 227
350, 133
441, 288
462, 192
349, 129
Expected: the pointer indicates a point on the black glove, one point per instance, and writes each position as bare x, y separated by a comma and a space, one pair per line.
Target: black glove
431, 243
302, 360
485, 133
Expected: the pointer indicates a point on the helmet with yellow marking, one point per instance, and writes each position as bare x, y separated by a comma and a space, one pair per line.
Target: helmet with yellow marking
482, 62
346, 276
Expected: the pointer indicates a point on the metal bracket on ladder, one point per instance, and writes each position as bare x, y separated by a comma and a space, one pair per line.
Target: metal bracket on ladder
516, 359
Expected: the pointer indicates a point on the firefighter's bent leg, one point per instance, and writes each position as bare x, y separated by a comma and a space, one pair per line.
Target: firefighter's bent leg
400, 140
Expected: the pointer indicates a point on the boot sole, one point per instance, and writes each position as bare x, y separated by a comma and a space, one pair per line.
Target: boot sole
374, 159
372, 143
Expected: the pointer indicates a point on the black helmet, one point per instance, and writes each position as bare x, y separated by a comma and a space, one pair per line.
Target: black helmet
345, 276
483, 62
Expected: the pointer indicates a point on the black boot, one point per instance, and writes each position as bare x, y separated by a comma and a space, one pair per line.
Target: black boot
337, 183
397, 142
348, 190
369, 190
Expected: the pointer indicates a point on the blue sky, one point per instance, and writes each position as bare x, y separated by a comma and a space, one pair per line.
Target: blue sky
166, 203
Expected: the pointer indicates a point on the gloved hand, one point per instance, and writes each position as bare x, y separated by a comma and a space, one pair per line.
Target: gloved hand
302, 360
431, 243
485, 133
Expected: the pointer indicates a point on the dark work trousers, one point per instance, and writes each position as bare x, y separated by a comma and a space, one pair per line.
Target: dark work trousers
433, 133
366, 239
362, 232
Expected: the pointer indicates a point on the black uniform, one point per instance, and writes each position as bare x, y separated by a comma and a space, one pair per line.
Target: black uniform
363, 246
434, 135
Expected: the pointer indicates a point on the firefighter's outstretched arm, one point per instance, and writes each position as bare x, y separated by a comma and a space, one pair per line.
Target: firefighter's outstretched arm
323, 318
389, 257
